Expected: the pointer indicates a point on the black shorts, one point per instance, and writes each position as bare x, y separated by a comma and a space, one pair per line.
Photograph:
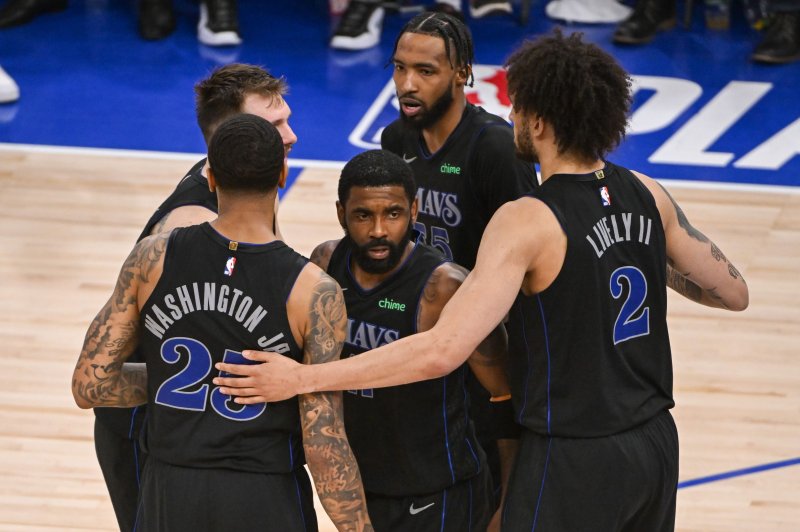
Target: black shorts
121, 461
176, 499
623, 482
463, 507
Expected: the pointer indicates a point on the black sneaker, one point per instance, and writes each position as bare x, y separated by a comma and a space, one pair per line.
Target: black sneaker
781, 42
360, 26
486, 8
219, 23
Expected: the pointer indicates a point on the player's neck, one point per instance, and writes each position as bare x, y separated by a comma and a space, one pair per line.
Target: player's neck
368, 281
246, 219
551, 163
436, 135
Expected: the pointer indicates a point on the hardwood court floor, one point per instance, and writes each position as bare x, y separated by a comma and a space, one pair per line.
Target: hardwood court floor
68, 220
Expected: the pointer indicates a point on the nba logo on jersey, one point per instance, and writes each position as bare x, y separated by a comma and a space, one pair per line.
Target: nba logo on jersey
489, 92
229, 266
605, 197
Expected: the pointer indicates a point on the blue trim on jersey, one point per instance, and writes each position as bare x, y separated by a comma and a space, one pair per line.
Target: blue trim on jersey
135, 446
291, 453
133, 416
444, 508
466, 417
300, 500
547, 349
446, 433
541, 488
530, 366
136, 519
475, 456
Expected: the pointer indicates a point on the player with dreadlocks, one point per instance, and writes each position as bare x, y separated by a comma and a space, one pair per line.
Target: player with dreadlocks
465, 167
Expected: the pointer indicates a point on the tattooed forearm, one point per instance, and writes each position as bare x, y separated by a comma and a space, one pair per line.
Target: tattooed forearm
327, 450
682, 285
101, 378
683, 221
719, 256
331, 461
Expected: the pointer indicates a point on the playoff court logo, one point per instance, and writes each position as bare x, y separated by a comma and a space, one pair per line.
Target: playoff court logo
489, 92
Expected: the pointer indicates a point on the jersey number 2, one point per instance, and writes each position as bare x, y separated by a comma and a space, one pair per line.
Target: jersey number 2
631, 323
173, 391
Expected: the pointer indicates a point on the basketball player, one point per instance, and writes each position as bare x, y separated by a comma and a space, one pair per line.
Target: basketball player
421, 464
201, 295
592, 251
229, 90
462, 156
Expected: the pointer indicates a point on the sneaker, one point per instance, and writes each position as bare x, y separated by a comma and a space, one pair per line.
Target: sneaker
9, 90
781, 42
486, 8
588, 11
360, 26
219, 23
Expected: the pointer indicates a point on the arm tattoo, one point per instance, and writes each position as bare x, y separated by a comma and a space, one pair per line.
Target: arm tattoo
682, 285
719, 256
683, 220
158, 228
101, 377
328, 452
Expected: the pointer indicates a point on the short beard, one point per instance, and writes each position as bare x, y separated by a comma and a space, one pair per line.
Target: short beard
523, 145
428, 117
379, 266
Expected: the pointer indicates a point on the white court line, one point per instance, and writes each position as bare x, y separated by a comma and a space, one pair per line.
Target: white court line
337, 165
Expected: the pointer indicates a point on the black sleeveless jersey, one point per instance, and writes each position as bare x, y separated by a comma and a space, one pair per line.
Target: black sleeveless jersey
192, 190
461, 185
593, 356
210, 304
410, 439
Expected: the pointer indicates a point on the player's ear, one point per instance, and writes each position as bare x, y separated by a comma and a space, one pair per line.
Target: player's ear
340, 214
414, 210
212, 181
462, 75
284, 175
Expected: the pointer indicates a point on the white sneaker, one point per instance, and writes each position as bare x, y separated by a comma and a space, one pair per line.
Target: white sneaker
588, 11
223, 31
360, 27
9, 90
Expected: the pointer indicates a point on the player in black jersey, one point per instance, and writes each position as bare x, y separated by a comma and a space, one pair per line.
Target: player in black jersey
228, 91
420, 462
592, 251
462, 156
201, 295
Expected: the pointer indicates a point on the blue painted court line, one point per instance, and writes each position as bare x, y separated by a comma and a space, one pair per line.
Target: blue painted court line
738, 473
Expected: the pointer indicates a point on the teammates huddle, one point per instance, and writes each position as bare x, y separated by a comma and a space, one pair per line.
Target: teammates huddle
231, 339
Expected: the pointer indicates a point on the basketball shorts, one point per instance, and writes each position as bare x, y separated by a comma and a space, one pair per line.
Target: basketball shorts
176, 499
121, 461
624, 482
464, 507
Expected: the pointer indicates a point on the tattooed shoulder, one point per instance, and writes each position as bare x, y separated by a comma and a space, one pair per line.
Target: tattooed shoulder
683, 221
327, 320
